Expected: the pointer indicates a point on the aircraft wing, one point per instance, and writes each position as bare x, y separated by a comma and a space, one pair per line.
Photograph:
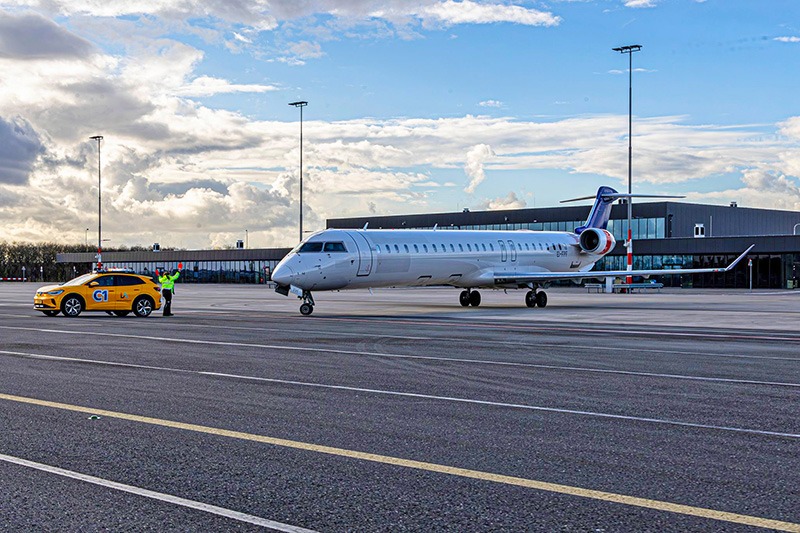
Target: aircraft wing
501, 278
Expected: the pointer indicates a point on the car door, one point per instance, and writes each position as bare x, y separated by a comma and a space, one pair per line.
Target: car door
128, 288
102, 294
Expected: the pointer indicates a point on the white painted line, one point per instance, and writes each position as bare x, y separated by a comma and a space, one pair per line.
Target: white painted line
422, 396
478, 342
418, 357
169, 498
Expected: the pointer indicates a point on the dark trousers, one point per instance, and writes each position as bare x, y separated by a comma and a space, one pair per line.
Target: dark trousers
167, 294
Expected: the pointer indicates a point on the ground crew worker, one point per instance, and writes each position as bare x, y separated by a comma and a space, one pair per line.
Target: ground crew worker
167, 282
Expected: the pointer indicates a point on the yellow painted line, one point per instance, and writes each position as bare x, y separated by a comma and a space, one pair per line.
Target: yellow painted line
430, 467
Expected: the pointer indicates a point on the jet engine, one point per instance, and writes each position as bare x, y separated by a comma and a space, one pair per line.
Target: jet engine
596, 241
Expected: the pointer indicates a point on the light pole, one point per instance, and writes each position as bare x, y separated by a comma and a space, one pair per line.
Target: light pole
246, 240
630, 49
301, 105
99, 138
86, 238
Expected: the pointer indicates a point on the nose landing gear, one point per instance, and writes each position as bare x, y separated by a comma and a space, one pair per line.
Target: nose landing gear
308, 304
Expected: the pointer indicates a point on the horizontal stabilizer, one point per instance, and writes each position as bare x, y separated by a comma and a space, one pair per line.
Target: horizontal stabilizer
543, 277
621, 195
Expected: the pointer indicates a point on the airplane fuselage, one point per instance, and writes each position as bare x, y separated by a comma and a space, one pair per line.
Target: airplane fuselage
352, 259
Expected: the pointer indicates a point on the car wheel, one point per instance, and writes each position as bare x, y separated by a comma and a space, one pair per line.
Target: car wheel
72, 305
51, 313
143, 306
122, 313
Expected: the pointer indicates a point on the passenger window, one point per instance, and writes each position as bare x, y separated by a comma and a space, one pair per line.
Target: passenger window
416, 249
388, 250
396, 248
469, 247
491, 247
527, 247
484, 247
434, 247
334, 247
311, 247
452, 248
406, 247
425, 248
460, 247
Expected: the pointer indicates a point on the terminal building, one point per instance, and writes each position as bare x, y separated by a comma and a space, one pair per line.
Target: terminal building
665, 235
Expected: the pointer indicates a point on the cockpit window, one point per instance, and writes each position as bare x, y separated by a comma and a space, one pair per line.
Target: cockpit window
334, 247
311, 247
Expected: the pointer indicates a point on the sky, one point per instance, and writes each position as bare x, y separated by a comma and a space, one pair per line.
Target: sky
414, 106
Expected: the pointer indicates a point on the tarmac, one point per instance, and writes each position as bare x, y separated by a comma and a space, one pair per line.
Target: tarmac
400, 410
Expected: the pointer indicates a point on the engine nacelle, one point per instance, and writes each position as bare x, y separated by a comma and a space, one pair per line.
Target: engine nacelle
596, 241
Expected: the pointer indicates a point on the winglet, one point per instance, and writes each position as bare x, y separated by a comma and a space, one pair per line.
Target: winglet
739, 258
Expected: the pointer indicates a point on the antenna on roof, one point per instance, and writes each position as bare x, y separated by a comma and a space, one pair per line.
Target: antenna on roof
365, 226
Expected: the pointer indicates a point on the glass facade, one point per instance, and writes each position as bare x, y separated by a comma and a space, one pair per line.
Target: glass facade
206, 271
768, 270
643, 228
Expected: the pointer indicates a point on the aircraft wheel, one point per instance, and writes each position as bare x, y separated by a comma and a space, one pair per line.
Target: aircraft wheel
474, 298
306, 309
530, 299
463, 298
541, 299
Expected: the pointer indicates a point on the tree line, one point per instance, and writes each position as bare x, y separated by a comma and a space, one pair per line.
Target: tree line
39, 260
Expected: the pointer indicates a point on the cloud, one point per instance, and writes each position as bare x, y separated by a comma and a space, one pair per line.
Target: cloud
509, 201
640, 3
32, 36
762, 188
19, 147
788, 39
491, 103
476, 157
469, 12
209, 86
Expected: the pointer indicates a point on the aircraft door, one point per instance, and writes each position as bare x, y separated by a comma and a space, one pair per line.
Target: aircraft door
513, 249
503, 253
364, 253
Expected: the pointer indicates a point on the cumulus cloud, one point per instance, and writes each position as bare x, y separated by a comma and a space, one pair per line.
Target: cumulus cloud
476, 157
31, 36
19, 147
509, 201
491, 103
790, 39
169, 160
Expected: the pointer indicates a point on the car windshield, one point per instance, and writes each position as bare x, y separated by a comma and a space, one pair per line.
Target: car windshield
80, 280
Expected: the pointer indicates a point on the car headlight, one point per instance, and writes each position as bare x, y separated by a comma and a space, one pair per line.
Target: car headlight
55, 293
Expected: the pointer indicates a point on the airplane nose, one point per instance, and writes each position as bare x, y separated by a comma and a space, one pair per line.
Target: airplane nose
282, 275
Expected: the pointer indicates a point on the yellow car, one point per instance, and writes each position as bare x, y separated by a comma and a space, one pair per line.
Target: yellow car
113, 292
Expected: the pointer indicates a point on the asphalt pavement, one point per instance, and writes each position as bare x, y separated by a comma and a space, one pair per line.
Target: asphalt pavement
399, 410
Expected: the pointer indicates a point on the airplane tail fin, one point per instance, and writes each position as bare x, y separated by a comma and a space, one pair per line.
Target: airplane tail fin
601, 210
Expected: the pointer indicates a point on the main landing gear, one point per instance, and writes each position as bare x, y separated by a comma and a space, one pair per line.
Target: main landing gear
308, 304
535, 298
469, 297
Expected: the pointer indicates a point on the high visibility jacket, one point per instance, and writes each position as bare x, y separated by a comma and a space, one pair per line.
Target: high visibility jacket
167, 281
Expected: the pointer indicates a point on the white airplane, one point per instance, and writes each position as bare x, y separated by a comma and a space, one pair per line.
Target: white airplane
336, 259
